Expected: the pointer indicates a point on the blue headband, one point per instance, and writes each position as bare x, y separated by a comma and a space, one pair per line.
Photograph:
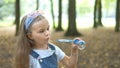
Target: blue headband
30, 18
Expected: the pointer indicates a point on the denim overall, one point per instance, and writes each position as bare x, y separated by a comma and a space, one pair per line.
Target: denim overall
48, 62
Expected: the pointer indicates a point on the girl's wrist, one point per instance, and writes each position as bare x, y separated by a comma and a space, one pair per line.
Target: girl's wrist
75, 48
74, 54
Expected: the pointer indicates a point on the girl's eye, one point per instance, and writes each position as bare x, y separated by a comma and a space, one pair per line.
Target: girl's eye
47, 28
41, 31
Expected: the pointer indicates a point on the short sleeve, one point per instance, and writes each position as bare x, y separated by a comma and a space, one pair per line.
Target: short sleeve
60, 54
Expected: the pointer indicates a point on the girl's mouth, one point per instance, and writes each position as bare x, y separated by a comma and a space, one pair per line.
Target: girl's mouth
47, 38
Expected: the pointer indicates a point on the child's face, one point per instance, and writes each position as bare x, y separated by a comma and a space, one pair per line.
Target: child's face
40, 32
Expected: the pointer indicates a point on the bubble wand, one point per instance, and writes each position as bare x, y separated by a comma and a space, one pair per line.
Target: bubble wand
80, 43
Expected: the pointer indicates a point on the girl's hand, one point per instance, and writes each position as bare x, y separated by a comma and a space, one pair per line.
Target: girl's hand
75, 46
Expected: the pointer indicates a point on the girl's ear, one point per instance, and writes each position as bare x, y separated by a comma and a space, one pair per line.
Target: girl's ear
29, 35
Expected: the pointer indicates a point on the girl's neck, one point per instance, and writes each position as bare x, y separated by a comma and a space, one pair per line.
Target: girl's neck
41, 47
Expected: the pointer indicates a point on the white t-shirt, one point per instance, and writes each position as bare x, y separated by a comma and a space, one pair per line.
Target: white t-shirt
34, 63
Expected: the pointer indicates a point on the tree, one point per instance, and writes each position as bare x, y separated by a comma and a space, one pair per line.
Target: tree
59, 28
72, 30
97, 14
37, 4
17, 15
52, 12
117, 16
1, 4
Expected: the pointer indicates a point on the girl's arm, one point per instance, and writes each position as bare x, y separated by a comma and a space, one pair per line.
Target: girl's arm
71, 61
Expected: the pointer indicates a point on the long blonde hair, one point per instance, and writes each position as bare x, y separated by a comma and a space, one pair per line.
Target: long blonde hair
24, 45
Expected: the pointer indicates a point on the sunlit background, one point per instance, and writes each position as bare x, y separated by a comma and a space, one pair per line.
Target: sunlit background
102, 43
84, 11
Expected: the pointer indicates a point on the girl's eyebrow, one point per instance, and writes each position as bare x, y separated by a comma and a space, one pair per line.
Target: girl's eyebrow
44, 27
40, 29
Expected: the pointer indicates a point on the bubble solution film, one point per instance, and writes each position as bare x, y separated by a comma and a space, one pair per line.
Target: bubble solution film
80, 43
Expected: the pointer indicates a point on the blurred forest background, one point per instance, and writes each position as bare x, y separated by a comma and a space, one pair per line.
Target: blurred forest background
95, 21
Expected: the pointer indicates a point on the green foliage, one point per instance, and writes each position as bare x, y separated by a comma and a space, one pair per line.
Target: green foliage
108, 4
6, 8
108, 7
84, 10
7, 1
1, 3
84, 7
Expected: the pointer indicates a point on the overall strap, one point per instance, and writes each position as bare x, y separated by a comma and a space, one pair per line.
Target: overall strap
51, 46
34, 54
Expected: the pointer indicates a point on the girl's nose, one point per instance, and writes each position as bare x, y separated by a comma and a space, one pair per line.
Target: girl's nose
47, 32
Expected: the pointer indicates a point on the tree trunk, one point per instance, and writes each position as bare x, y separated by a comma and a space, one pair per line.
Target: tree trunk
59, 28
52, 12
17, 15
100, 13
97, 14
117, 16
72, 30
37, 4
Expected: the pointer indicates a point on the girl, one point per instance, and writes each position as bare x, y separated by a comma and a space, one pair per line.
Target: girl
33, 48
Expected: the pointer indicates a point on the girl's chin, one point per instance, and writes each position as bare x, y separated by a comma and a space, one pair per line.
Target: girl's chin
46, 42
